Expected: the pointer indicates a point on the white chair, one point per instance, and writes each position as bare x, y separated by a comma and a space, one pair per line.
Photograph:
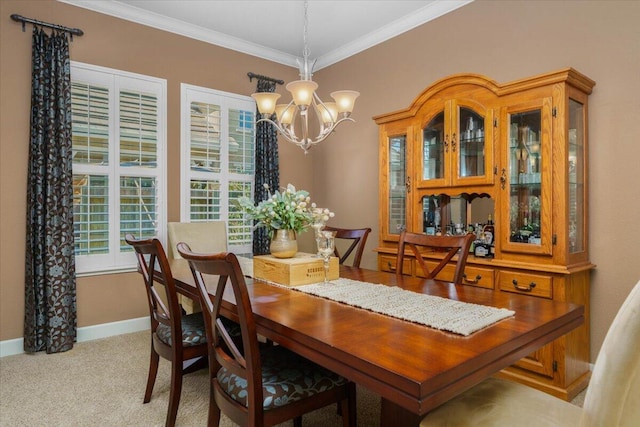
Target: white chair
612, 399
202, 237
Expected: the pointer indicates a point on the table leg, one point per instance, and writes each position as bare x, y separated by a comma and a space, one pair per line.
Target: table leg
393, 415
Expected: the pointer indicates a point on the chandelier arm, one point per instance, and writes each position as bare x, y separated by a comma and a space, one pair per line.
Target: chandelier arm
318, 107
305, 143
330, 129
304, 115
274, 123
291, 128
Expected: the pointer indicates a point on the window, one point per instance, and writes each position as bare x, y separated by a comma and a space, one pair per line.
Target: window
218, 148
118, 131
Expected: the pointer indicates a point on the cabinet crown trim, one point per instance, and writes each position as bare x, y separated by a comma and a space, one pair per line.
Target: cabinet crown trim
568, 75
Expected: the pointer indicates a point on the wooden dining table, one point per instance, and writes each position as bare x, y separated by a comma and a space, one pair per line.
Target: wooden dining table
414, 368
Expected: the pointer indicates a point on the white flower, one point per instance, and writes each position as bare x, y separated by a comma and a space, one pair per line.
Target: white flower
284, 209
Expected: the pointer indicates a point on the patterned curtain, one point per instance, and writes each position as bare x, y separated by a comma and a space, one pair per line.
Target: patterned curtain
50, 279
267, 168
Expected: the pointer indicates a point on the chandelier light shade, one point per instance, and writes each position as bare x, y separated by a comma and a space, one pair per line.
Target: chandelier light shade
292, 119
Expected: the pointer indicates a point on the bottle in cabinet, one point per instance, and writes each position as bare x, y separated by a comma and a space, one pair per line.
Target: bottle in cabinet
489, 231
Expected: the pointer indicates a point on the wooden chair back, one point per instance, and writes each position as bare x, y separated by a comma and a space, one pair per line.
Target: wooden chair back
168, 333
242, 360
449, 246
150, 253
359, 239
231, 361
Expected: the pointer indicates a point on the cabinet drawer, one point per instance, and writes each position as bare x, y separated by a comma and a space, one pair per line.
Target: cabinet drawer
388, 263
524, 283
474, 276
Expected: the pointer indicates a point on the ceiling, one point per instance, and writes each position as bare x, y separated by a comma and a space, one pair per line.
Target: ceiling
274, 30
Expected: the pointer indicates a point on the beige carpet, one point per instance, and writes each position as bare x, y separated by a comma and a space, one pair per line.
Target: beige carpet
101, 383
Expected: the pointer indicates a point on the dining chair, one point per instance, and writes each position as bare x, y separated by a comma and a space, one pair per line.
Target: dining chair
202, 236
187, 354
358, 237
611, 398
257, 386
447, 245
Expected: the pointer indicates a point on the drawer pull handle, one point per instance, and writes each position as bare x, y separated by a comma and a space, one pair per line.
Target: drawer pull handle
470, 281
523, 288
390, 267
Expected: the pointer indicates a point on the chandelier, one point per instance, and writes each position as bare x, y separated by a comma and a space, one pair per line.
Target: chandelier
292, 119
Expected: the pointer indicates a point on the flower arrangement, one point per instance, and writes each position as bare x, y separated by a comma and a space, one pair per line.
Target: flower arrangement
289, 209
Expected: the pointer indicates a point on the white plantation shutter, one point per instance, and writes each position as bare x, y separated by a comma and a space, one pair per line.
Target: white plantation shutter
118, 131
138, 128
217, 164
205, 203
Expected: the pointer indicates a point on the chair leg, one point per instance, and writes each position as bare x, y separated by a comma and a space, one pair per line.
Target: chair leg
153, 371
297, 421
214, 411
174, 393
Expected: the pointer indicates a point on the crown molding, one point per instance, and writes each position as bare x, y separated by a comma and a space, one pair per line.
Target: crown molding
164, 23
116, 9
428, 13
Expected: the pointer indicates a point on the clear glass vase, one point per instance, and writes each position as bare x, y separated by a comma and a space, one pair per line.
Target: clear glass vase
284, 244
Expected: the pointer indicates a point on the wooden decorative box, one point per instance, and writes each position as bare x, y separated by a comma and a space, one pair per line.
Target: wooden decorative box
302, 269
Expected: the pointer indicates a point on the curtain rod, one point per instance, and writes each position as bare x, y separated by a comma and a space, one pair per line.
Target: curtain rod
72, 31
260, 76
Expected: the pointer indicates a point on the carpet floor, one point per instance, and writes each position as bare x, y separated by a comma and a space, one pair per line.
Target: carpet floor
101, 383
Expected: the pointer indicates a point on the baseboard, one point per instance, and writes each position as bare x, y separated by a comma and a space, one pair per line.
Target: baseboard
87, 333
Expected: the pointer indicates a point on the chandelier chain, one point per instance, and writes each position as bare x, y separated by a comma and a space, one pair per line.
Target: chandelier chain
306, 51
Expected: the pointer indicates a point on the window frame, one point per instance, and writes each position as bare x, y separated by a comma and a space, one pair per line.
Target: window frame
116, 81
226, 100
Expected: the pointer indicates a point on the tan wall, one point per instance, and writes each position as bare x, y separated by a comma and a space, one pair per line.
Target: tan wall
504, 40
123, 45
508, 40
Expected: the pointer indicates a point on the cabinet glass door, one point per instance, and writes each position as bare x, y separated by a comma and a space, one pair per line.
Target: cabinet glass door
397, 184
471, 159
576, 177
524, 173
529, 178
471, 143
433, 149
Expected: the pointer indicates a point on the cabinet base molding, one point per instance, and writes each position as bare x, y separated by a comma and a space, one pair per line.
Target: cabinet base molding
568, 393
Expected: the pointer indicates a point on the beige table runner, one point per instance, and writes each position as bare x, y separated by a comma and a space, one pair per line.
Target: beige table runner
439, 313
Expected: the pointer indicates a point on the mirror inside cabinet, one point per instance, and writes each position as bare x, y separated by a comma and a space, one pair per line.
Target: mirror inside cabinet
461, 214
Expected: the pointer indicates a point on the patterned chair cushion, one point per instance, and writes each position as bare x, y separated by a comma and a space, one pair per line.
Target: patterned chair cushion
193, 332
286, 377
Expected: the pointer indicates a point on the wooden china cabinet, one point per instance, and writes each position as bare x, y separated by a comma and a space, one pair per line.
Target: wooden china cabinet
507, 162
